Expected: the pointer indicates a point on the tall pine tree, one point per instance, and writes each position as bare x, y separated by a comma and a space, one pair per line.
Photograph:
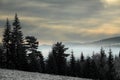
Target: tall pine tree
51, 66
111, 73
82, 57
102, 64
31, 48
60, 56
87, 68
78, 68
6, 44
17, 47
94, 70
72, 65
82, 65
41, 62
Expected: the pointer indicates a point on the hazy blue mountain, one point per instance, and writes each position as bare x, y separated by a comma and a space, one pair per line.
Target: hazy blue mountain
114, 41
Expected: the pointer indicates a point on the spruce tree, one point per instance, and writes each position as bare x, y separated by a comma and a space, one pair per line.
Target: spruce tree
41, 62
87, 68
72, 65
31, 48
60, 56
102, 64
31, 44
51, 66
94, 70
17, 35
17, 47
36, 59
78, 68
82, 65
82, 57
6, 44
111, 73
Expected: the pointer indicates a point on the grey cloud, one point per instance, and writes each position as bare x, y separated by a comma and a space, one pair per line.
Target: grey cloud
58, 9
73, 13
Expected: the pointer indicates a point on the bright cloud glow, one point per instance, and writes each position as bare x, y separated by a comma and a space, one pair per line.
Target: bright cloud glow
111, 2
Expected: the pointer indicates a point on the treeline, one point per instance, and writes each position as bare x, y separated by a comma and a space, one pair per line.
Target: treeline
22, 53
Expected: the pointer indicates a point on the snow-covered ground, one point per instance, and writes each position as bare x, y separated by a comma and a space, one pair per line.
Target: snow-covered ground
22, 75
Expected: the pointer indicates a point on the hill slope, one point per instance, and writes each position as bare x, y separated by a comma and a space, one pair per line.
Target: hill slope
21, 75
108, 41
113, 41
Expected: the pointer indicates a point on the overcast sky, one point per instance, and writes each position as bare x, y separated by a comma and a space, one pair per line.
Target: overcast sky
64, 20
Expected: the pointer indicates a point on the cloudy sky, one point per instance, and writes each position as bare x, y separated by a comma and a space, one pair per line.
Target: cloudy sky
64, 20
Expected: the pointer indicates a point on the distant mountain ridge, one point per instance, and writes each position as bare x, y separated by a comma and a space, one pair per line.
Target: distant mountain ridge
113, 41
108, 41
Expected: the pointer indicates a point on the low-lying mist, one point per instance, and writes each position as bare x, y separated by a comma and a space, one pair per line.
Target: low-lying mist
78, 49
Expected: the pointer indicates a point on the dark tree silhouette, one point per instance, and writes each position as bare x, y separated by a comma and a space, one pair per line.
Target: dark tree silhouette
102, 64
94, 70
72, 65
6, 44
41, 62
87, 68
82, 65
119, 54
51, 66
33, 54
31, 44
17, 47
59, 54
111, 73
78, 69
2, 59
82, 57
35, 58
33, 63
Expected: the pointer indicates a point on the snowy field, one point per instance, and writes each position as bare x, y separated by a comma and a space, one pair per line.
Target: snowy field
21, 75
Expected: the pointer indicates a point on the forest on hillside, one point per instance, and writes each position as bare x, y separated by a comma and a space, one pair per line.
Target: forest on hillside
21, 53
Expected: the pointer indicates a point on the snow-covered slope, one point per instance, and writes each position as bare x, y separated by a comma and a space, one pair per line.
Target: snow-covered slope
21, 75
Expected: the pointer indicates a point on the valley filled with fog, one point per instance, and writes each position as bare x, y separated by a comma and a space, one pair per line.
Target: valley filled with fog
78, 49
